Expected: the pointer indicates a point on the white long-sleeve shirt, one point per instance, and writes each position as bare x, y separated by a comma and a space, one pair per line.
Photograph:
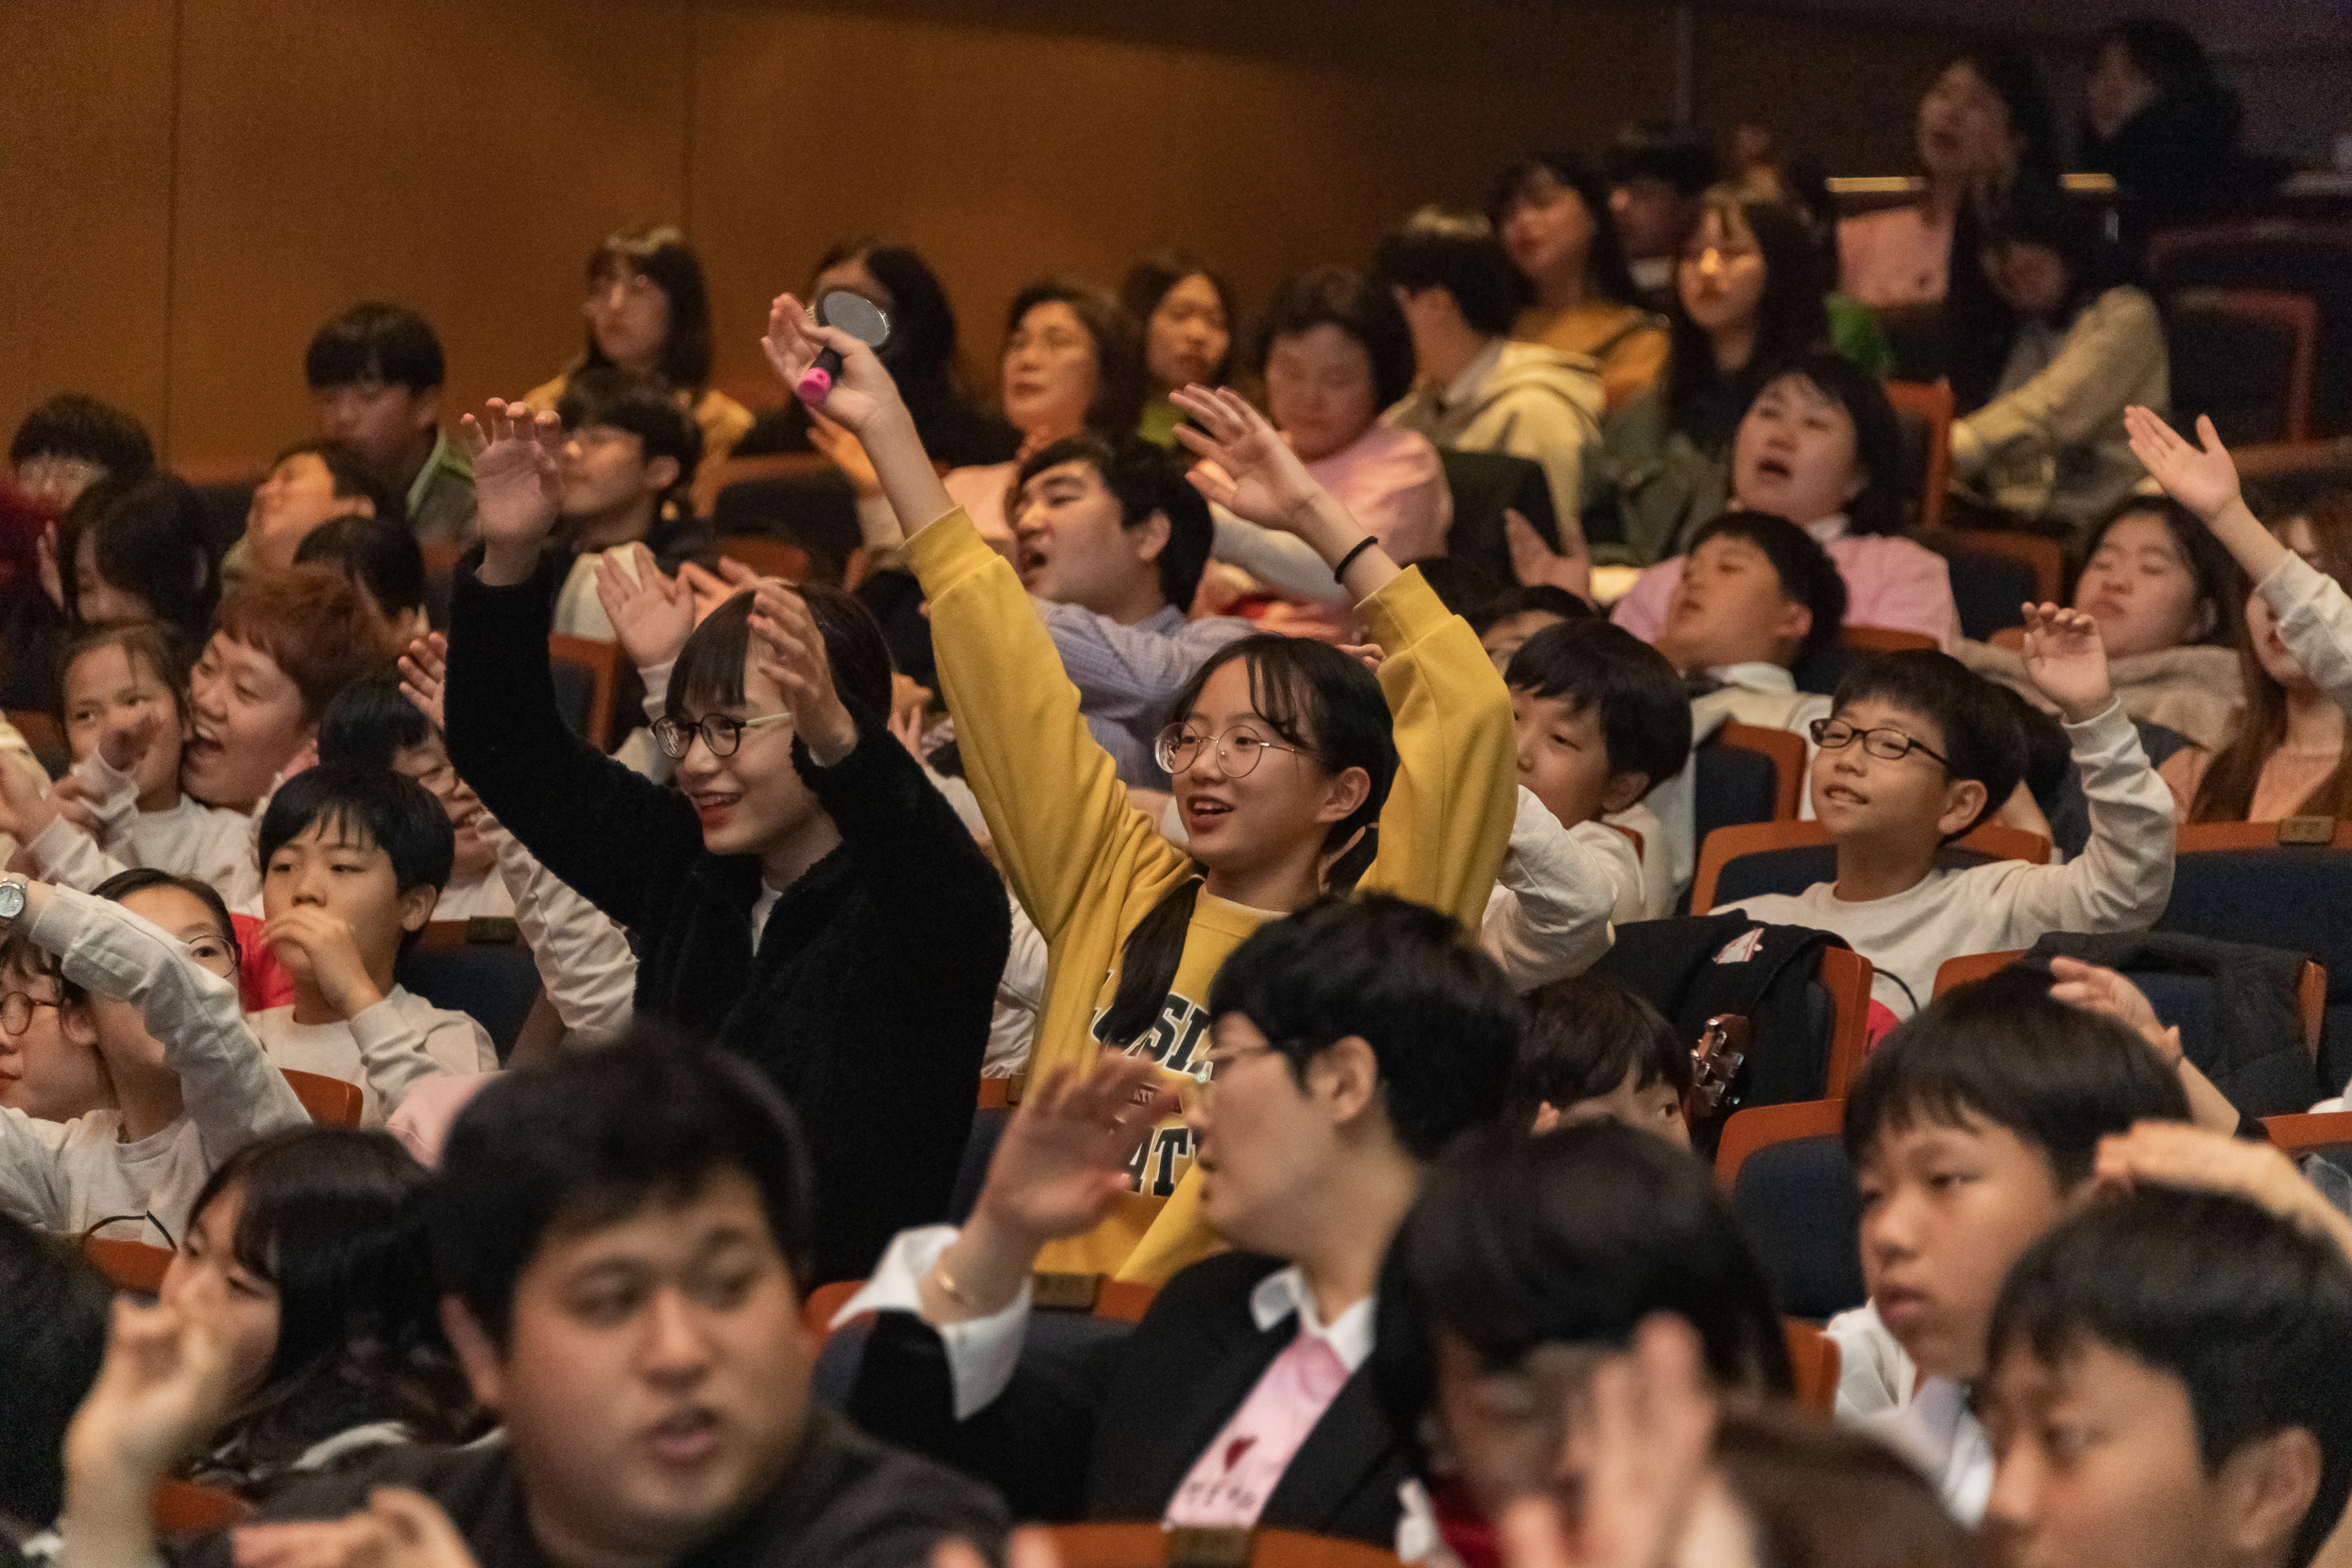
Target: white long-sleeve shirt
2316, 622
2120, 882
66, 1176
1880, 1391
1557, 897
383, 1049
582, 954
210, 843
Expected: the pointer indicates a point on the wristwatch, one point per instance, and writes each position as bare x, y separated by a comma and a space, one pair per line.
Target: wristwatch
11, 897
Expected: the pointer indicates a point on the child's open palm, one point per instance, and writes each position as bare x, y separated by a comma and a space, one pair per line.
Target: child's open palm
515, 483
2203, 477
2067, 661
1064, 1155
652, 613
788, 649
1251, 470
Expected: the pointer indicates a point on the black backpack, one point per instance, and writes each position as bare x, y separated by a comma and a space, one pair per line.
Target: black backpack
1699, 968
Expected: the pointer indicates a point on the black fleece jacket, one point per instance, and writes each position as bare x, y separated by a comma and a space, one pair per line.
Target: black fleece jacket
868, 1002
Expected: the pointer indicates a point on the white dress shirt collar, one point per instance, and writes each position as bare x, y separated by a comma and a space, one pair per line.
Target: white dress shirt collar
1285, 1291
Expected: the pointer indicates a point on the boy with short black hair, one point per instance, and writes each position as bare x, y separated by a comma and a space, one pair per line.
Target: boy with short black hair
1601, 721
625, 1239
1592, 1050
375, 373
629, 453
2170, 1386
308, 484
1111, 543
1479, 392
353, 860
380, 557
1916, 751
1971, 1129
1758, 599
69, 443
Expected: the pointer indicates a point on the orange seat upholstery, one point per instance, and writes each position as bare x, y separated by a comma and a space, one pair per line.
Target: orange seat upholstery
1928, 405
1973, 966
602, 663
132, 1266
1786, 749
182, 1510
768, 557
330, 1101
1813, 1357
1883, 639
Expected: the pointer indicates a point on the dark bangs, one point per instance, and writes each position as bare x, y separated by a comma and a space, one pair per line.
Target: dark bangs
710, 670
1317, 699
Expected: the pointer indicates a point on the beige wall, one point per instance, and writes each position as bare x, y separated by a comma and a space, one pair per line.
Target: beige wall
196, 185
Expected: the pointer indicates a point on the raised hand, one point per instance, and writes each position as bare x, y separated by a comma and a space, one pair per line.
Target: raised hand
787, 648
1640, 1443
2201, 478
317, 946
1533, 562
125, 741
861, 389
425, 675
2067, 661
162, 1391
652, 613
1251, 470
515, 485
2097, 990
1064, 1155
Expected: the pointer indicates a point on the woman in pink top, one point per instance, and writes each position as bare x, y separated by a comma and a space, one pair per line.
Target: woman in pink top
1073, 361
1820, 446
1983, 117
1334, 351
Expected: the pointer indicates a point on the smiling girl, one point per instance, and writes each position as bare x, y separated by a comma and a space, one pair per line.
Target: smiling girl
804, 897
1281, 752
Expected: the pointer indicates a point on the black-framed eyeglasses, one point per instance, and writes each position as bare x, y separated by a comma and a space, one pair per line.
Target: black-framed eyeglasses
16, 1010
1238, 749
1893, 745
719, 732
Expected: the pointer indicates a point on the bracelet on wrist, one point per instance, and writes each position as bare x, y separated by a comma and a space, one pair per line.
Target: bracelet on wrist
1340, 573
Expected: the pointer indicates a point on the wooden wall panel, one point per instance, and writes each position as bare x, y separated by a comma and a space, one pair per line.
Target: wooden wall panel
85, 179
1846, 88
1256, 135
459, 158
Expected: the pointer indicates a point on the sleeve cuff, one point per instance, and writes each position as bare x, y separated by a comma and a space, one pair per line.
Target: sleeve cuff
2105, 728
1968, 448
55, 845
982, 1351
1403, 611
657, 683
2290, 584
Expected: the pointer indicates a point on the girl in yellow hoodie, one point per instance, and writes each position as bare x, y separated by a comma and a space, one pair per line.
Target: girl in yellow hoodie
1284, 753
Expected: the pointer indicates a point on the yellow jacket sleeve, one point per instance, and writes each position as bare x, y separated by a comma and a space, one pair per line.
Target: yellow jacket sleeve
1448, 816
1051, 795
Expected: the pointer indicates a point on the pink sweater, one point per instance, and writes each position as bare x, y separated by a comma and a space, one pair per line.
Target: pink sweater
1889, 582
1392, 483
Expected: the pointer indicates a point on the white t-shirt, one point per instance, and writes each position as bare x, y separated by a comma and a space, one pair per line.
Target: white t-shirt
383, 1049
1880, 1390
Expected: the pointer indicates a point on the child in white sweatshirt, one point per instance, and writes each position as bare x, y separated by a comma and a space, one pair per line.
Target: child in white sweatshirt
1917, 750
353, 860
126, 714
149, 975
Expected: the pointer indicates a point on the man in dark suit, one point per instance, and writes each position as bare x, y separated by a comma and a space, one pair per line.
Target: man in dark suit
1350, 1043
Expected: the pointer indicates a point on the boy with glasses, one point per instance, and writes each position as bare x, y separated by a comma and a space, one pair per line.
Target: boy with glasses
1916, 751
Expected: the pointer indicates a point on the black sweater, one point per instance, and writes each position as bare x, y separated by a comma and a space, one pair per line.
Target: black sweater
868, 999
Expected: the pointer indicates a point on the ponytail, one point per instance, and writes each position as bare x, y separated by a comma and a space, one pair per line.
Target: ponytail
1147, 965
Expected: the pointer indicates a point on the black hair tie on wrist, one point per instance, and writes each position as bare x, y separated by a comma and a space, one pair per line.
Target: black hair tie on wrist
1340, 573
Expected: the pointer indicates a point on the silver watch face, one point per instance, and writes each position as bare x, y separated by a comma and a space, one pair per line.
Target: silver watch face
11, 899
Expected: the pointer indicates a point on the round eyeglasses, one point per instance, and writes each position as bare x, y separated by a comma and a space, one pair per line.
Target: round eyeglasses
1892, 745
16, 1010
721, 733
1238, 750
